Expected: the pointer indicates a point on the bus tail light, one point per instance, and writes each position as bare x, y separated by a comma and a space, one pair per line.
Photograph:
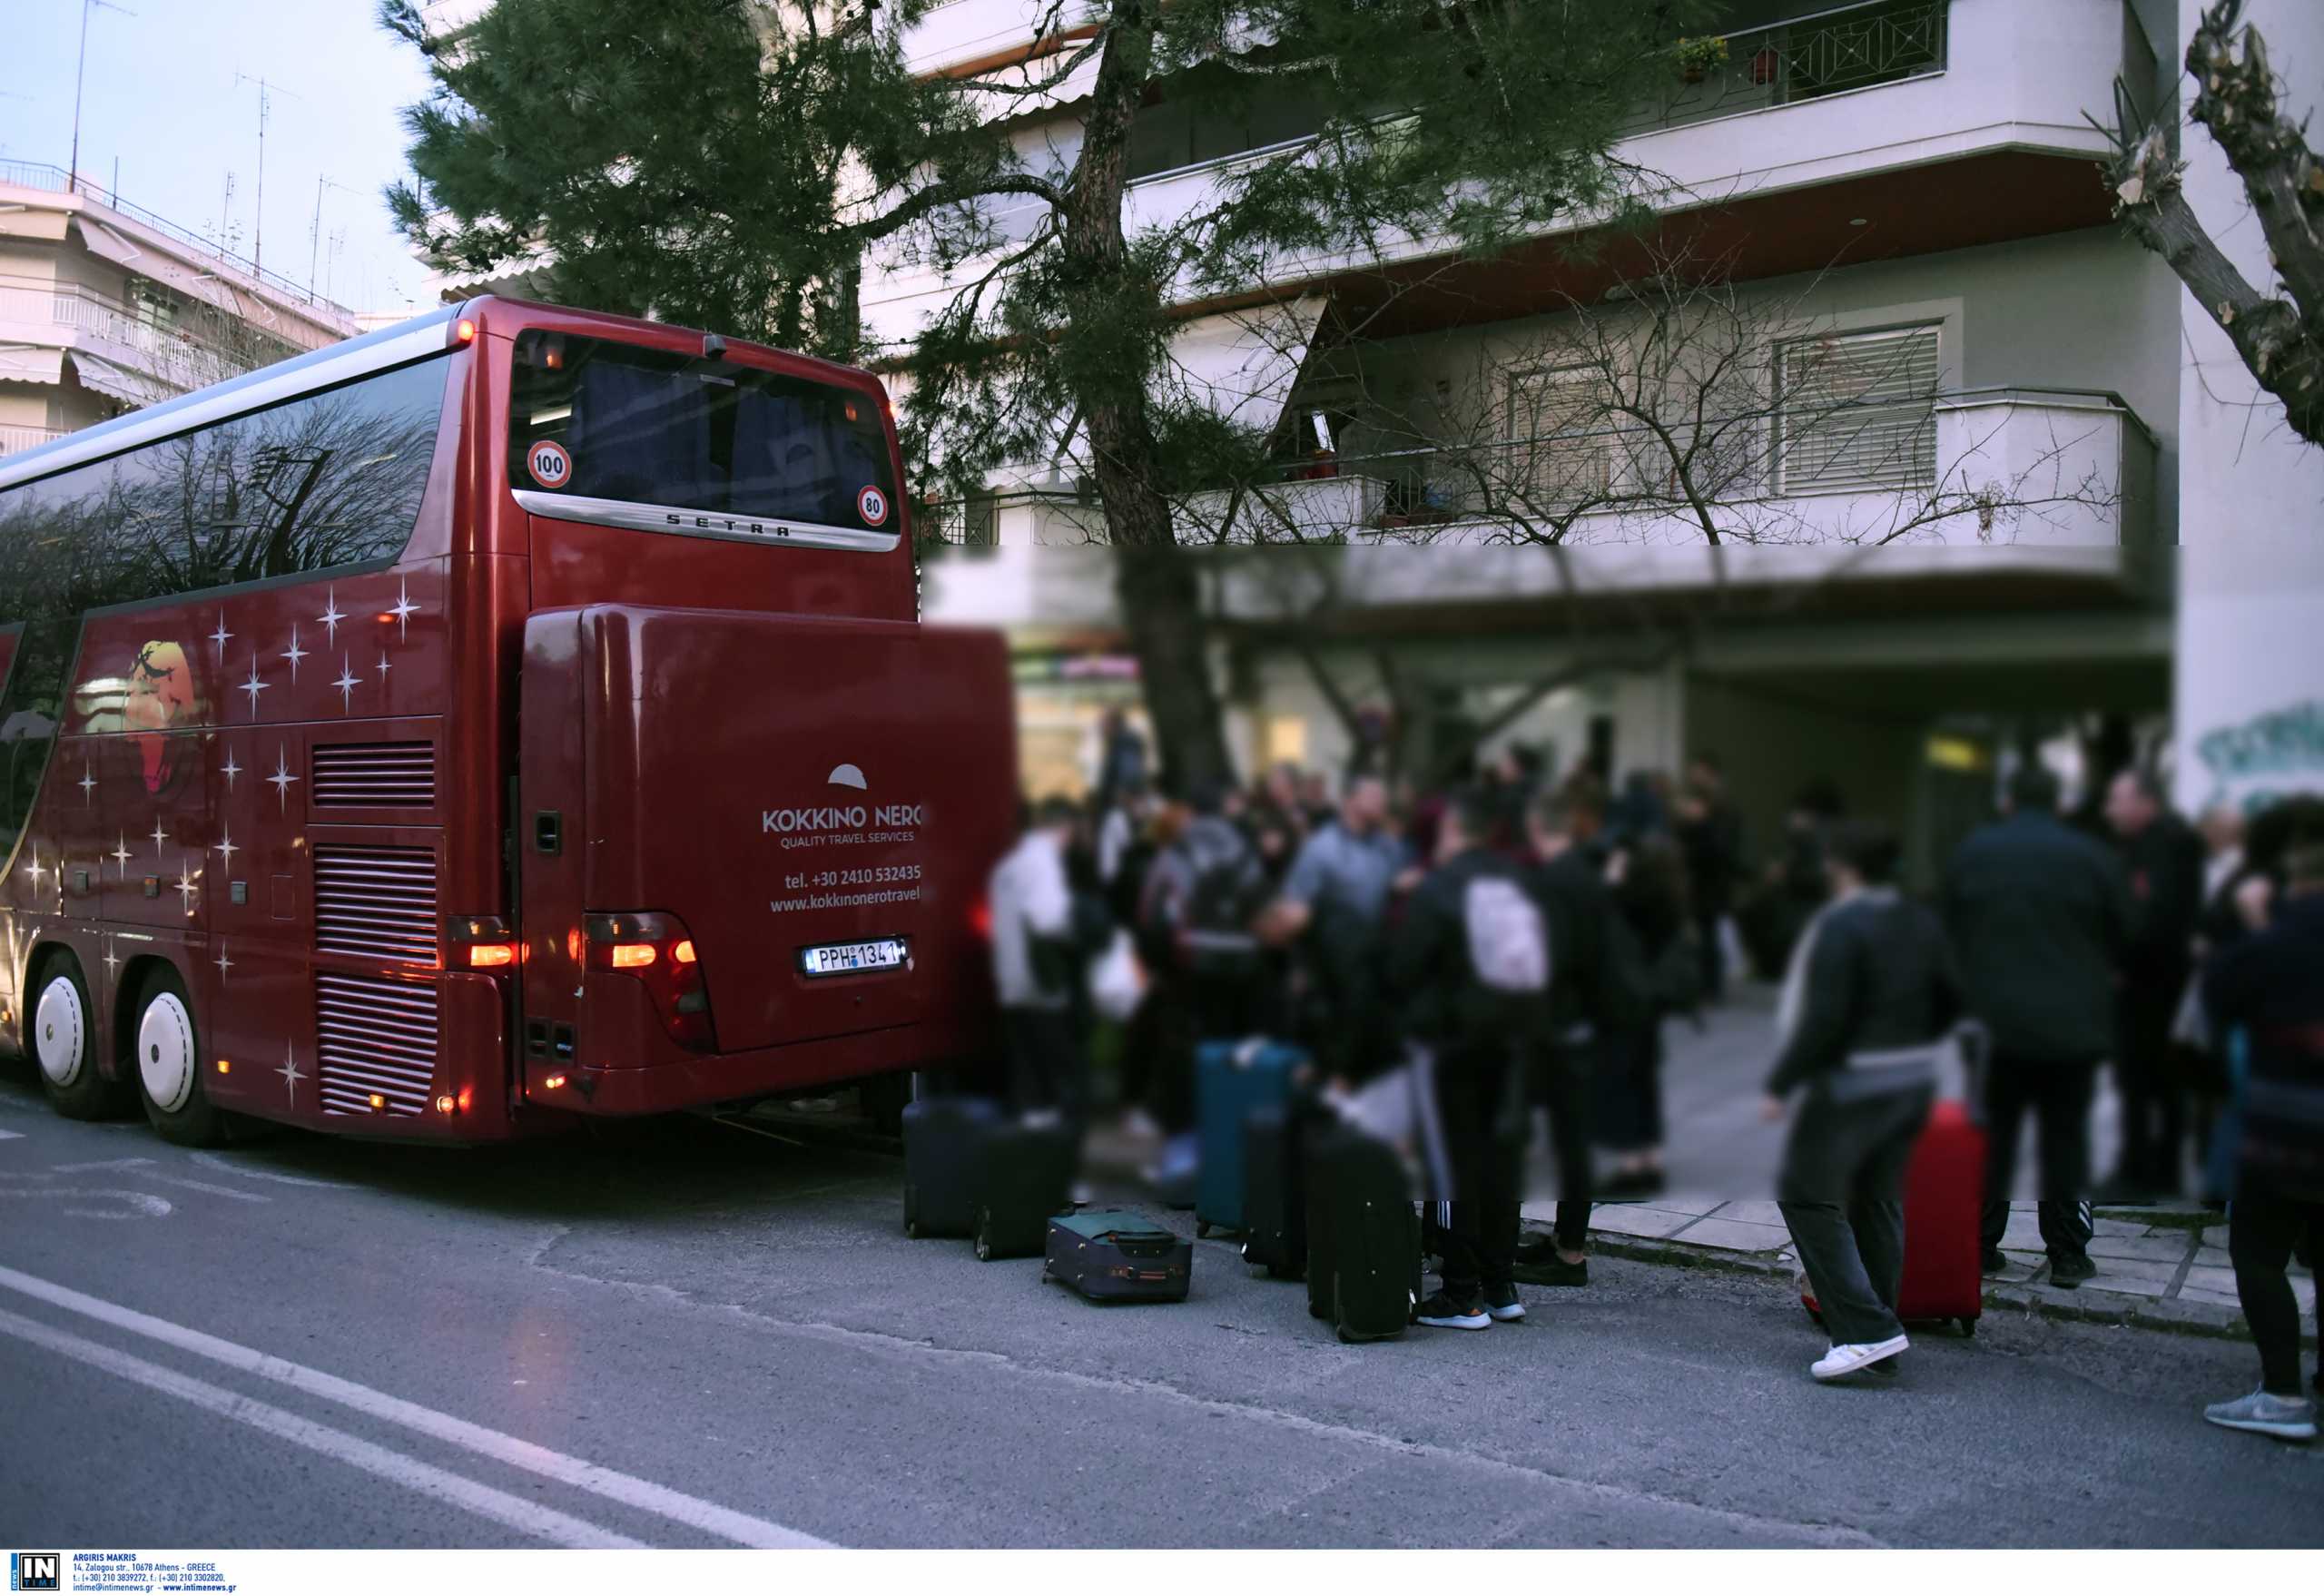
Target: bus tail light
480, 941
980, 919
657, 950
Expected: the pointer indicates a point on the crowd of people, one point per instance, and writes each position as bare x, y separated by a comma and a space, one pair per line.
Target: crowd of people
1534, 937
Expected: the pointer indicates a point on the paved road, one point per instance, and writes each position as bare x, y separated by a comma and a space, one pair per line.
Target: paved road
694, 1337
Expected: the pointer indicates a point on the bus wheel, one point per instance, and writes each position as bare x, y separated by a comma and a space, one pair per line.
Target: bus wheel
65, 1044
168, 1065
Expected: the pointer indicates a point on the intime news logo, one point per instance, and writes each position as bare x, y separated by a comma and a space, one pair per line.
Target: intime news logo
34, 1571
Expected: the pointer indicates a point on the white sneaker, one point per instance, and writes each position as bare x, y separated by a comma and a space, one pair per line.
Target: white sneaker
1843, 1360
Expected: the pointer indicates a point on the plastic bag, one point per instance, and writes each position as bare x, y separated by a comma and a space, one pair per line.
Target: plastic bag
1117, 979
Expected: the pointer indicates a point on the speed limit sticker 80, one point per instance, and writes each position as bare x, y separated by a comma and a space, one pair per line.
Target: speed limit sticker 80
549, 463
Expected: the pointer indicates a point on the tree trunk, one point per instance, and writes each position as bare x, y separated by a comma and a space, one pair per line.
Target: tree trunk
1155, 579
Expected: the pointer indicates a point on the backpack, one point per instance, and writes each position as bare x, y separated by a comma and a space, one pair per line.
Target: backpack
1509, 945
1225, 896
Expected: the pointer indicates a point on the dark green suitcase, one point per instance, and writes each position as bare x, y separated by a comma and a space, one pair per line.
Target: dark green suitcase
1109, 1254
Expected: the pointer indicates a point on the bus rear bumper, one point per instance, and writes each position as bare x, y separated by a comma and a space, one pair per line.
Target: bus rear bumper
722, 1078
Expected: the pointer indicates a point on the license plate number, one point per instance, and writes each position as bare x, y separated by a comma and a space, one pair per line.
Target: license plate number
852, 958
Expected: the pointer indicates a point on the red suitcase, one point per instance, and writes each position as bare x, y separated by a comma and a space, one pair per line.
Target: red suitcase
1944, 1210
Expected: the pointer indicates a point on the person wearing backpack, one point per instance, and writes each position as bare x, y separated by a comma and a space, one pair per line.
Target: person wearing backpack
1598, 997
1202, 904
1470, 965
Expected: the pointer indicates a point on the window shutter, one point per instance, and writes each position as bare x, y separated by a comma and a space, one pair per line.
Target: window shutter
1853, 411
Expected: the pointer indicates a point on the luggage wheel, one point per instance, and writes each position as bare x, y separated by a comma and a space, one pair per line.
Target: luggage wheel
911, 1213
1968, 1326
984, 1236
1202, 1229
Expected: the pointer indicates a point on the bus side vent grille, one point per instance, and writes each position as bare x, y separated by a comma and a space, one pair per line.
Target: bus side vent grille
378, 903
374, 1040
375, 776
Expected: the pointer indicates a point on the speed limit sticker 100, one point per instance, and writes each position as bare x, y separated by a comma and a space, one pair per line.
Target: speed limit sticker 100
551, 466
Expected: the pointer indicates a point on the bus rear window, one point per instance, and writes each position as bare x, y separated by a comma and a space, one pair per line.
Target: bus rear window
592, 418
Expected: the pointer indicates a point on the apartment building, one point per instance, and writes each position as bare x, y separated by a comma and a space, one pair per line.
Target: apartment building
105, 306
1971, 548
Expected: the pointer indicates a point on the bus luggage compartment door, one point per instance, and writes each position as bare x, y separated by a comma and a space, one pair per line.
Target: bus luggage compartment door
812, 804
547, 857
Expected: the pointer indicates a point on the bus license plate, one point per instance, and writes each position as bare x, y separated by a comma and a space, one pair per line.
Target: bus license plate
852, 958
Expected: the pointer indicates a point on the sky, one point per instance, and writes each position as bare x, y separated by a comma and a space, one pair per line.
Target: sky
161, 99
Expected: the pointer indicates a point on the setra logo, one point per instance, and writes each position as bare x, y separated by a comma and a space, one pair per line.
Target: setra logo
34, 1571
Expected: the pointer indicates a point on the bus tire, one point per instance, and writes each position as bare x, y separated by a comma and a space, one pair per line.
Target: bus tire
60, 1036
167, 1057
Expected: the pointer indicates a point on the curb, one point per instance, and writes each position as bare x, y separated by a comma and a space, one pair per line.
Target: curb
2084, 1304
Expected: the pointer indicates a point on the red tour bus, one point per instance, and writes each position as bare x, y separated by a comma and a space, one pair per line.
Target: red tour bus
513, 716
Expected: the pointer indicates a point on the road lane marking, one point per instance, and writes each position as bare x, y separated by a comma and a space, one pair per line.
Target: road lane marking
530, 1518
226, 1191
212, 1161
12, 1136
141, 1204
708, 1517
102, 1164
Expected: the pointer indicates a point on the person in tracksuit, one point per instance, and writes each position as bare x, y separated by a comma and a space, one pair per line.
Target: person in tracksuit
1470, 966
1869, 1000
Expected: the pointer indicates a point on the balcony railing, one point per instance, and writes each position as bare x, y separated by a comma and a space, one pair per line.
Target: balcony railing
56, 180
1808, 57
184, 357
14, 439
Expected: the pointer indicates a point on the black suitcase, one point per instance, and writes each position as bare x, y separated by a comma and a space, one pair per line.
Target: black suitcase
1109, 1256
1364, 1236
943, 1137
972, 1169
1275, 1191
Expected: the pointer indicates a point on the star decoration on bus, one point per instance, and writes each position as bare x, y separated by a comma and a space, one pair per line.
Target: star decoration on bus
185, 887
113, 959
222, 636
160, 837
384, 667
87, 783
223, 963
230, 770
403, 610
332, 615
36, 869
227, 848
254, 686
282, 779
294, 654
121, 853
347, 683
291, 1073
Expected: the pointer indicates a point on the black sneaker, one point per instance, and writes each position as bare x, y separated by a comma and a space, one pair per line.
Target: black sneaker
1995, 1261
2070, 1272
1502, 1305
1443, 1312
1539, 1263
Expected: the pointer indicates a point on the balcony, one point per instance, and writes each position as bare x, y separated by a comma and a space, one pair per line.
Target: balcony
148, 359
1802, 58
2047, 468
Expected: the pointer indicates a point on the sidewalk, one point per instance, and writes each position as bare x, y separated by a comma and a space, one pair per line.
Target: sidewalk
2160, 1268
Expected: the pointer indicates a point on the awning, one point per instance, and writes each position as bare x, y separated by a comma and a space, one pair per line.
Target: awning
120, 382
32, 365
112, 244
1243, 363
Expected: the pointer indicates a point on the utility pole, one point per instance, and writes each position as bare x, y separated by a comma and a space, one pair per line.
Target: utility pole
80, 77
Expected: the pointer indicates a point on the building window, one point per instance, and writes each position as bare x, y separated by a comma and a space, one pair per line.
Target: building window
1855, 411
1563, 452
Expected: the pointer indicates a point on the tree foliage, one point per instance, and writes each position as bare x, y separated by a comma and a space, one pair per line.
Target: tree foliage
735, 164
